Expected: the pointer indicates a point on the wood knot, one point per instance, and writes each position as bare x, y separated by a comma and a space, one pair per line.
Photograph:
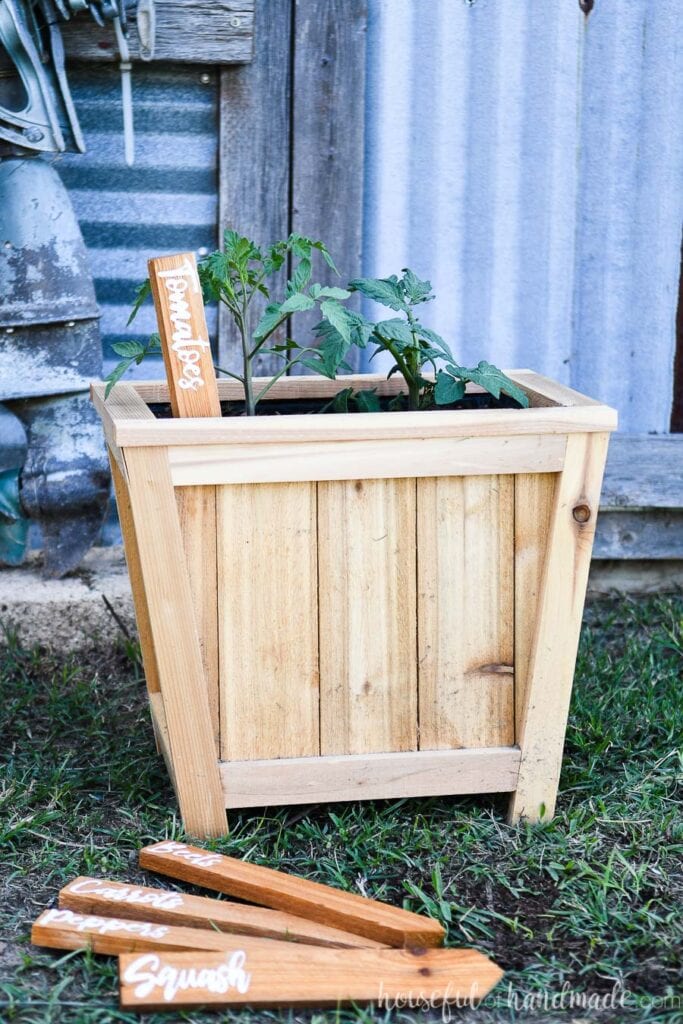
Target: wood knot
581, 513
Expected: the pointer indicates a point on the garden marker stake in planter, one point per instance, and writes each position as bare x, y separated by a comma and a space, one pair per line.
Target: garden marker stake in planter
297, 977
184, 336
137, 902
321, 903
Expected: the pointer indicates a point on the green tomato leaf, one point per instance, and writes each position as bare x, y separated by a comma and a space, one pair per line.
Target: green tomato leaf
143, 292
447, 389
296, 303
319, 291
367, 401
272, 318
384, 290
416, 290
395, 330
317, 365
116, 375
322, 249
340, 402
129, 349
435, 340
491, 379
300, 277
338, 317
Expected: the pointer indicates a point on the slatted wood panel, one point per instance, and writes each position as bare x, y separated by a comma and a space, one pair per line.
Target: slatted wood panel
534, 496
368, 654
465, 530
268, 620
197, 513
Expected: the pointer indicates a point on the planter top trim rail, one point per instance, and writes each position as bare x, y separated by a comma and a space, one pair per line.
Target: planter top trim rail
555, 409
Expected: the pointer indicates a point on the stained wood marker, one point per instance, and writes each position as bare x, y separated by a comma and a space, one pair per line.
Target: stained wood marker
143, 903
66, 929
184, 335
331, 907
296, 976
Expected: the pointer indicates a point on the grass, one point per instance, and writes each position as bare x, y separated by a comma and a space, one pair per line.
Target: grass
590, 901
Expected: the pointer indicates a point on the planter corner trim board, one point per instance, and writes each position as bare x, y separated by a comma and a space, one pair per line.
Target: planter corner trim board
411, 585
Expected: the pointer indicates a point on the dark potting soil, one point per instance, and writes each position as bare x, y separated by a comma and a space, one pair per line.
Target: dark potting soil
313, 406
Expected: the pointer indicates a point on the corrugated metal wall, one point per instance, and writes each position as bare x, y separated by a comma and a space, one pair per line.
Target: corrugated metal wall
165, 203
529, 160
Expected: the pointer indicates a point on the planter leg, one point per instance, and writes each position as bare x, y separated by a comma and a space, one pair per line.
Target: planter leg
558, 624
176, 642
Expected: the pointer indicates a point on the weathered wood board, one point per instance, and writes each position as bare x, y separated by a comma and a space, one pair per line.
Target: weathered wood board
297, 977
254, 158
187, 31
328, 140
321, 903
105, 897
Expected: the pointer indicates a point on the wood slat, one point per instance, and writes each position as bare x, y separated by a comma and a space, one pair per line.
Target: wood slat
135, 573
292, 894
254, 157
316, 386
328, 142
176, 641
534, 500
107, 898
197, 514
298, 978
644, 472
465, 611
351, 460
495, 424
544, 391
369, 776
543, 717
268, 620
194, 31
366, 556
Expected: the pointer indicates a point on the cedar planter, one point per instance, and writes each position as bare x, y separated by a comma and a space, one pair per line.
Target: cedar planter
358, 606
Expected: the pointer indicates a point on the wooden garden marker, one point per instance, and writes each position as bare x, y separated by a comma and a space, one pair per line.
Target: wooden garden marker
65, 929
184, 336
142, 903
295, 976
331, 907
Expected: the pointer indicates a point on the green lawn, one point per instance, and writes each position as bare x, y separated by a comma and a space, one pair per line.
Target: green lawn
590, 900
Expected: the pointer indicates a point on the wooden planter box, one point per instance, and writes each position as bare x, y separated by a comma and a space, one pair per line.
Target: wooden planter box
358, 606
